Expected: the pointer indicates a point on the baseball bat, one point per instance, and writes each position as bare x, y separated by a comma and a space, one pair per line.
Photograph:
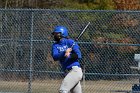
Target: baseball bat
81, 34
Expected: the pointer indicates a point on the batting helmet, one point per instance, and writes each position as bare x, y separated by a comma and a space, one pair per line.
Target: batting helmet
61, 29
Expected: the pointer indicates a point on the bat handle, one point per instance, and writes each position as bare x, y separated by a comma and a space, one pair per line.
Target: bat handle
73, 45
74, 42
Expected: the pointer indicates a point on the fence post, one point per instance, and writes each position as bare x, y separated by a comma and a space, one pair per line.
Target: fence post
31, 56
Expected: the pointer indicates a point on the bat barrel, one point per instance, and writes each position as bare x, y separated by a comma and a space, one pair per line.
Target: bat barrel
82, 31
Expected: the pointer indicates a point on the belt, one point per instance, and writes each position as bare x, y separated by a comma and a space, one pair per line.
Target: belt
68, 69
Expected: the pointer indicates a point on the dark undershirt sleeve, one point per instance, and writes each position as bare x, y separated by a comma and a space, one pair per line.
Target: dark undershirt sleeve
74, 56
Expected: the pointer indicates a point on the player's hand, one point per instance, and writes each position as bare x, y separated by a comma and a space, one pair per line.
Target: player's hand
68, 51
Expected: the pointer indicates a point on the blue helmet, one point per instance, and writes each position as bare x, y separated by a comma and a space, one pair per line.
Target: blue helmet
61, 29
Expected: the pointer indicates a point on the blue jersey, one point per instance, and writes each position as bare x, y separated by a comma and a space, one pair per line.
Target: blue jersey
58, 52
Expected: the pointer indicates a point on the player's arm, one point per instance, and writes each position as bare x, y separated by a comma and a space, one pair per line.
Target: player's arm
75, 50
70, 55
56, 54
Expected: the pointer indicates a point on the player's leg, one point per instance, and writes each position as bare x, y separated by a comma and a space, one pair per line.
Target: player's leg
71, 79
77, 88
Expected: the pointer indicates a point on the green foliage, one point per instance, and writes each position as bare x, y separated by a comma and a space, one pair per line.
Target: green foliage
71, 4
60, 4
92, 4
105, 5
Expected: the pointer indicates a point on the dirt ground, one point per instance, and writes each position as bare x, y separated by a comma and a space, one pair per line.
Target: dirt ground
52, 86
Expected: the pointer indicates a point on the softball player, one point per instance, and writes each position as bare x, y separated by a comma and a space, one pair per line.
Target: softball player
68, 58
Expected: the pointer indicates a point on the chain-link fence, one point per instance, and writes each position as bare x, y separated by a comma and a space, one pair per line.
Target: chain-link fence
108, 47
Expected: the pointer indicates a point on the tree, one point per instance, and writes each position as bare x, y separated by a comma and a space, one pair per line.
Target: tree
127, 4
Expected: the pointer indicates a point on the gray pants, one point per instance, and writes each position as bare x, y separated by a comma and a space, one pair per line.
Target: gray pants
71, 83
